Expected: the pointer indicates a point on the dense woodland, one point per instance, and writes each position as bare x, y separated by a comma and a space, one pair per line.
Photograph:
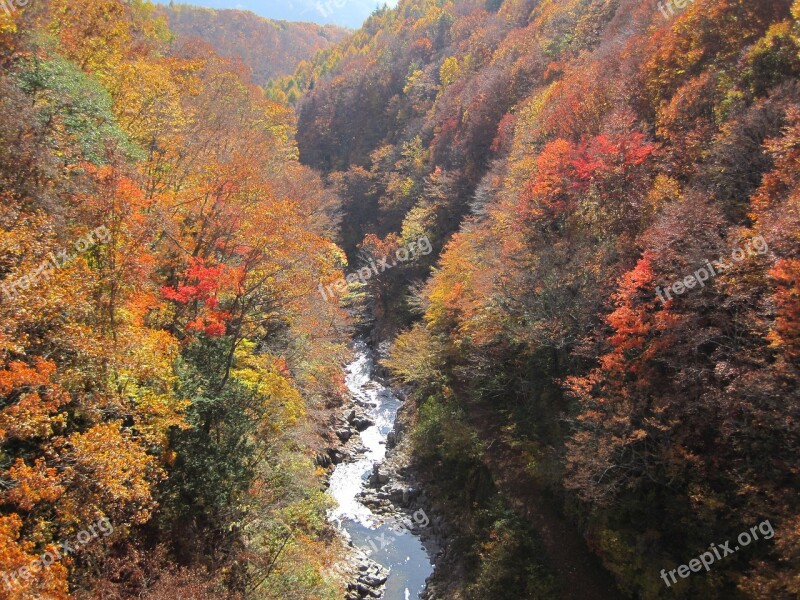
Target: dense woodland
569, 160
168, 378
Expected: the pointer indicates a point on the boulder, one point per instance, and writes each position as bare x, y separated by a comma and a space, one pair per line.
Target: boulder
373, 581
322, 460
359, 422
336, 455
362, 423
377, 479
344, 434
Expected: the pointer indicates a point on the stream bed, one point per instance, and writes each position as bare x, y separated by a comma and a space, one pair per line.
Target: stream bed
384, 540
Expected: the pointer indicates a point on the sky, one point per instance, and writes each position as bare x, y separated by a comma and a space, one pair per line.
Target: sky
347, 13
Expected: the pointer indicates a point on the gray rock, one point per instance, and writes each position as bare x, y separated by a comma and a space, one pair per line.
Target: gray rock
344, 434
336, 455
362, 423
377, 478
373, 581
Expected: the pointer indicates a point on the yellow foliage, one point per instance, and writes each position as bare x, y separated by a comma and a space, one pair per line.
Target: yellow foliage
449, 71
8, 23
106, 472
268, 376
147, 99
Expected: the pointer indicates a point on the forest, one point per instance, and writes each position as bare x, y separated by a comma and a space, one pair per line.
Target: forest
597, 349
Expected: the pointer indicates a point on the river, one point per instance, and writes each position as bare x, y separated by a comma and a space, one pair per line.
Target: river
385, 541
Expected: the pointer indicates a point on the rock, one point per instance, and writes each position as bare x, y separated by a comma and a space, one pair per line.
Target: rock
391, 440
373, 581
344, 434
369, 580
362, 423
336, 455
359, 422
322, 460
377, 479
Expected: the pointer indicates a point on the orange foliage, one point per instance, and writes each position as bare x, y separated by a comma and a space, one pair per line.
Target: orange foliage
786, 334
33, 401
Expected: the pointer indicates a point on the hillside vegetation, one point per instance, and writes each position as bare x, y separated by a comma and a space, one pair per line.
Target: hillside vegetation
596, 319
165, 358
615, 197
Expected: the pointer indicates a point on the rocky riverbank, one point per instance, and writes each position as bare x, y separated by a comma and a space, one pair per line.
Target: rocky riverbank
365, 578
397, 507
397, 489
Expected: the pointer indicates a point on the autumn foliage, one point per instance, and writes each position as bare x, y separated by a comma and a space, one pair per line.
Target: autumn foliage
565, 159
164, 376
576, 156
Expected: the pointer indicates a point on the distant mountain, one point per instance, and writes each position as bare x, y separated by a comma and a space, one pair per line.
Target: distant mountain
270, 48
346, 13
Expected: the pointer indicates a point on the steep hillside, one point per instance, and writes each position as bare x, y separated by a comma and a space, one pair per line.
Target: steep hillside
269, 48
613, 189
165, 358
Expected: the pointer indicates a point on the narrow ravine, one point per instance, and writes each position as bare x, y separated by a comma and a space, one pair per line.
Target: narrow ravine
383, 539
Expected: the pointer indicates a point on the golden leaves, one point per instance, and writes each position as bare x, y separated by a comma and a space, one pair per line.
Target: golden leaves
107, 472
268, 377
32, 485
32, 401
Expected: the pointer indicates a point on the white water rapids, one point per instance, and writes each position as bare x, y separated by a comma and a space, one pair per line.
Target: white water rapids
407, 560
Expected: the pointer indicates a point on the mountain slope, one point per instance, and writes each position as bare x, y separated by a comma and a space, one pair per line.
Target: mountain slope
269, 48
614, 192
167, 366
